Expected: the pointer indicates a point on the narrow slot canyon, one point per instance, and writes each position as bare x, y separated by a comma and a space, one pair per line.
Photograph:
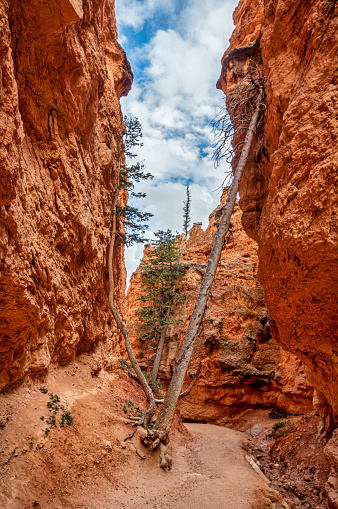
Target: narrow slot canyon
105, 102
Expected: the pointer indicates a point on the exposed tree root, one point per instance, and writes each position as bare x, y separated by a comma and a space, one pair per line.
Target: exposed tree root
142, 456
165, 458
129, 437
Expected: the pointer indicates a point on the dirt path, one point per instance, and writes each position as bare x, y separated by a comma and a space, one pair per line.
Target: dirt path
88, 465
210, 471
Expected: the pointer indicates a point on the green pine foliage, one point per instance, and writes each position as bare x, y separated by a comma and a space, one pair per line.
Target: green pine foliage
160, 274
131, 218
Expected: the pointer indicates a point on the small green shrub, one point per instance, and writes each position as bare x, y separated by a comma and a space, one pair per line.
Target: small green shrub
51, 421
54, 397
278, 425
135, 411
281, 428
66, 418
54, 406
139, 411
274, 414
125, 365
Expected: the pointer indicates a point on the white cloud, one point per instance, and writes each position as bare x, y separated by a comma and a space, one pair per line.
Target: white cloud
175, 102
133, 13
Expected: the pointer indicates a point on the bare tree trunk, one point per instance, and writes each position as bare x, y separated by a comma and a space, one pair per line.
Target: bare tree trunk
159, 350
166, 416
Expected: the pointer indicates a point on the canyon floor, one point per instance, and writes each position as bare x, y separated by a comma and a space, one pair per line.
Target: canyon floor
87, 464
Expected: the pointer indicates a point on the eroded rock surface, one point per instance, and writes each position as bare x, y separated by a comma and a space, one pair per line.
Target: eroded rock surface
288, 193
62, 74
242, 365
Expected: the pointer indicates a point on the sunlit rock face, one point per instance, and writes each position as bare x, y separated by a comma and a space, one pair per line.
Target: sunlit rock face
288, 193
242, 365
289, 190
62, 74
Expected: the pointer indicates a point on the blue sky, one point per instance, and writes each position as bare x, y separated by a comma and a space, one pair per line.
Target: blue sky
175, 48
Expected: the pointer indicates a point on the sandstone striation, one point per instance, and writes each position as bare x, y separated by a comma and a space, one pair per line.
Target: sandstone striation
242, 365
288, 193
62, 74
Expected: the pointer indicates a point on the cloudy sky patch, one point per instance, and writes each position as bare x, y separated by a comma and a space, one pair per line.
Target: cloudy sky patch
175, 48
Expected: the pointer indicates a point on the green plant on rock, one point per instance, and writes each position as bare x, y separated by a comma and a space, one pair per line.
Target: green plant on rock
275, 414
281, 428
134, 411
125, 364
54, 406
139, 411
66, 418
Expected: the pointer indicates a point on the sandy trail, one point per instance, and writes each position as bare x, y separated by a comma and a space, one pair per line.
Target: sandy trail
87, 465
209, 471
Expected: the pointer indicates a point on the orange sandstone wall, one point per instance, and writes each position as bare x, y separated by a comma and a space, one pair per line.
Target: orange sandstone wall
62, 74
289, 190
242, 365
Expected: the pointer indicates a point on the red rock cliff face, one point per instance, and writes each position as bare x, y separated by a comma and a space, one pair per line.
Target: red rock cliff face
288, 193
289, 190
242, 365
62, 74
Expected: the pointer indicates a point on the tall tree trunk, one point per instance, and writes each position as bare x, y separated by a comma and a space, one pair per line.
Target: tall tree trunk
166, 416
